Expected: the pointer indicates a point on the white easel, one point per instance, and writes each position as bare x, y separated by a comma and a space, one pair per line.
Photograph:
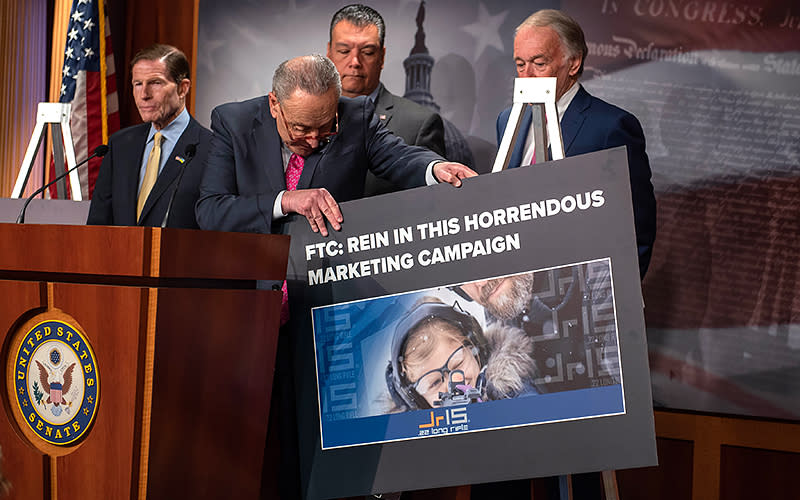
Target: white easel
541, 93
57, 115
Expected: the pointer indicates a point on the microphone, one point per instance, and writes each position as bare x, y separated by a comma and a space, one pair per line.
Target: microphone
188, 153
100, 151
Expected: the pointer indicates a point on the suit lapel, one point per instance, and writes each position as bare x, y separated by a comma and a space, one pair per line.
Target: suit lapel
309, 167
264, 147
128, 172
312, 162
574, 117
384, 105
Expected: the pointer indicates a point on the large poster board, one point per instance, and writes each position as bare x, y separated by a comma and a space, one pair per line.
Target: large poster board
452, 336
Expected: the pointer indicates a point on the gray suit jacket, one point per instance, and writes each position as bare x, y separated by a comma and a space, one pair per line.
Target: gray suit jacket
415, 124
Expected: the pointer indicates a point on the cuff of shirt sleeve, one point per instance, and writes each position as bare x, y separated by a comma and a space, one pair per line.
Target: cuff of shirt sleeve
430, 179
277, 213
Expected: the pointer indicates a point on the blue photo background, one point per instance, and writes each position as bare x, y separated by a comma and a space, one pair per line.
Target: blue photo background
352, 346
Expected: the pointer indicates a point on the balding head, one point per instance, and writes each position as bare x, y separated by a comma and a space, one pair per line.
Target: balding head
312, 74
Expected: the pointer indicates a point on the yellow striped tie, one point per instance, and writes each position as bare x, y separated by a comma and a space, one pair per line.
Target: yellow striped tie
150, 174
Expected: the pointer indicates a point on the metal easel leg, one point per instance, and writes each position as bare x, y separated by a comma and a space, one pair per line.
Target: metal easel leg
542, 92
27, 162
57, 114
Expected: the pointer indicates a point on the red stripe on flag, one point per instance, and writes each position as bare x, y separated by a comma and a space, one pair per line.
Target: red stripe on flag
112, 107
94, 125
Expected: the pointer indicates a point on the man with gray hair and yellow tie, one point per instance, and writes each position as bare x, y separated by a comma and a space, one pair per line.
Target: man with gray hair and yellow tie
158, 162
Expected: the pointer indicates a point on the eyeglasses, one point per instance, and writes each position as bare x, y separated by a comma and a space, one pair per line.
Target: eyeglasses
322, 137
432, 382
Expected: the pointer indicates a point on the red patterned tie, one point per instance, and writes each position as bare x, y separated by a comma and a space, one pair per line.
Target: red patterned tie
293, 171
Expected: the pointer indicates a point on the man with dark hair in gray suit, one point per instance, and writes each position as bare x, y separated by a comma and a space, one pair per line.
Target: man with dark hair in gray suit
356, 47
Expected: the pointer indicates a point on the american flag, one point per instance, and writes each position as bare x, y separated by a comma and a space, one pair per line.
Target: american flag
89, 83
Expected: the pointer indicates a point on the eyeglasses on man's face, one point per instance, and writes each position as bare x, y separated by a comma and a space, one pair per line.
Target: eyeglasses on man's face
298, 134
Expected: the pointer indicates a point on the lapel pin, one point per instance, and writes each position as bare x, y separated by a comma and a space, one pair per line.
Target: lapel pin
382, 117
180, 159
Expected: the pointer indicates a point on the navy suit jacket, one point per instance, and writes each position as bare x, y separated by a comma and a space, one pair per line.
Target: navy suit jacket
244, 171
117, 186
591, 124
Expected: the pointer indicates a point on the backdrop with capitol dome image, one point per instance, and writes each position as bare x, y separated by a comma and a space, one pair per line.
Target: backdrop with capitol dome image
716, 88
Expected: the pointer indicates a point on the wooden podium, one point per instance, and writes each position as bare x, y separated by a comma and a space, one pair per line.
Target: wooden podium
182, 346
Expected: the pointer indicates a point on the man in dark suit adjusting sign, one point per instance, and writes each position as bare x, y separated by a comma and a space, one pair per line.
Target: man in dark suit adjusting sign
550, 43
304, 133
142, 169
356, 47
301, 149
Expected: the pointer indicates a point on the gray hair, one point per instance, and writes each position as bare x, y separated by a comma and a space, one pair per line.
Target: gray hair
360, 16
313, 74
567, 29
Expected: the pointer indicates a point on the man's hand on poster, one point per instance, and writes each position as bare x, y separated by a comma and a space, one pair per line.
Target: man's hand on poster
452, 172
316, 205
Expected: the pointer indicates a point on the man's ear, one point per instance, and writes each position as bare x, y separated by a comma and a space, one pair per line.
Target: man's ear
328, 53
273, 103
574, 66
183, 88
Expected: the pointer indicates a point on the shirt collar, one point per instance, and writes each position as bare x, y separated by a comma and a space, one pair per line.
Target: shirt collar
566, 99
286, 154
373, 96
174, 129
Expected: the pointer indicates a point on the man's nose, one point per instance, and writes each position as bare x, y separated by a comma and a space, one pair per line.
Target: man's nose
355, 59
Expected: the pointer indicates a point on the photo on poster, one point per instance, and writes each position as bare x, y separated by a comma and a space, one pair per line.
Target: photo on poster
529, 348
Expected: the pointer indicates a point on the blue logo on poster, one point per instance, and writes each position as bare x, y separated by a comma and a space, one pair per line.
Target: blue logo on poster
56, 382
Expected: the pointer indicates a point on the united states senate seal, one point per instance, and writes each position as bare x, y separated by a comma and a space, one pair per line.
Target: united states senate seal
55, 380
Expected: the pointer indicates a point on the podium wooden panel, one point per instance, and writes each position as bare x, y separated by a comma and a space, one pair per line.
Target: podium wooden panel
184, 345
